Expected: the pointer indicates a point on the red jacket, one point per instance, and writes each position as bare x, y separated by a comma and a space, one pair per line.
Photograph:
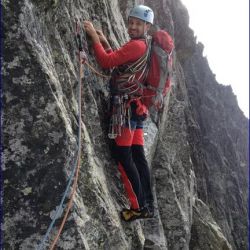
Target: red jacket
129, 52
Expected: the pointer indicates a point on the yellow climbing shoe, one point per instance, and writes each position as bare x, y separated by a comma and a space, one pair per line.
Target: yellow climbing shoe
132, 214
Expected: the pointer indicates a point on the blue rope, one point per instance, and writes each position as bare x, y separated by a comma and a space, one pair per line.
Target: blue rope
59, 209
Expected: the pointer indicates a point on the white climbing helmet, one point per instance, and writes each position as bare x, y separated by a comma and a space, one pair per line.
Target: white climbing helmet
142, 12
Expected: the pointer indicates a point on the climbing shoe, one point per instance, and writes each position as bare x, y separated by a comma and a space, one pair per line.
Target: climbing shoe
132, 214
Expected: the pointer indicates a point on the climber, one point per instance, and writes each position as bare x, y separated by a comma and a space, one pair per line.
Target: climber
129, 141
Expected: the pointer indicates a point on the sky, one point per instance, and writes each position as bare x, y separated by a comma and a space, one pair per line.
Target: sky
223, 28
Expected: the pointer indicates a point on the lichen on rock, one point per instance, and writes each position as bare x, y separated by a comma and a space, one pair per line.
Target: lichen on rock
196, 146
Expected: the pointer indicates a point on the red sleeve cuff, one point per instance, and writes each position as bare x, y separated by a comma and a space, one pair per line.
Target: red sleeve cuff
97, 45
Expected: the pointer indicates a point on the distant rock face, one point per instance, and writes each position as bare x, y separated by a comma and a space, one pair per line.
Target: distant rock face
197, 148
218, 131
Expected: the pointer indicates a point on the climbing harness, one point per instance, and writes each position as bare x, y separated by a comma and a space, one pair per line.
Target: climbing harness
127, 87
129, 79
75, 171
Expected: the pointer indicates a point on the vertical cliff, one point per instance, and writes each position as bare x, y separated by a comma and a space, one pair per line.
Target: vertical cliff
197, 145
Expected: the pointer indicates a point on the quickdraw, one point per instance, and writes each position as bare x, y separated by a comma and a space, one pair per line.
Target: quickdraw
120, 113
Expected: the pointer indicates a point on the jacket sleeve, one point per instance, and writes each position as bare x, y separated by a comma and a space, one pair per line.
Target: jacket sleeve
129, 52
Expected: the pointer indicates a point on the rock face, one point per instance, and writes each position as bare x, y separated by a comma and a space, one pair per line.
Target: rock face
197, 147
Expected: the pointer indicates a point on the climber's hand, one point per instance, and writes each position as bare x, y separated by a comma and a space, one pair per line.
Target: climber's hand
103, 39
90, 30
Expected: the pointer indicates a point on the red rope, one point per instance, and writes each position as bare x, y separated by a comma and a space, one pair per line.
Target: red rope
68, 207
77, 170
